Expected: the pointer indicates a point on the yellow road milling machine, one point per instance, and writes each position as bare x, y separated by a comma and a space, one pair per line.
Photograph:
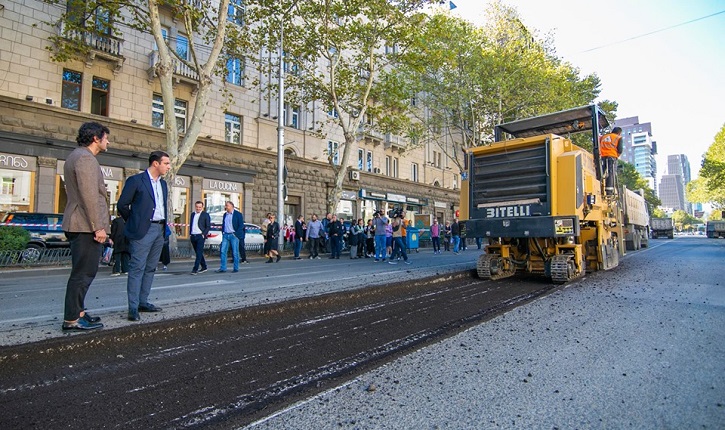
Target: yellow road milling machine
540, 201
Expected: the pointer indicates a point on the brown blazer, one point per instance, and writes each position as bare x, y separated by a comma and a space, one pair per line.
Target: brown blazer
87, 208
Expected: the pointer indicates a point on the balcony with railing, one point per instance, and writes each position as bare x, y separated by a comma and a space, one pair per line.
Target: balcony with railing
104, 46
182, 72
369, 135
396, 142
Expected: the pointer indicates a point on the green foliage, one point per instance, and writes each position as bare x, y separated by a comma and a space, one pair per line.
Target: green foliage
658, 213
710, 186
629, 177
13, 238
468, 79
684, 221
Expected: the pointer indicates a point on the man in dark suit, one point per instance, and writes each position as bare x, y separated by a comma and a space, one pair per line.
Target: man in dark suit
200, 223
85, 221
232, 233
143, 205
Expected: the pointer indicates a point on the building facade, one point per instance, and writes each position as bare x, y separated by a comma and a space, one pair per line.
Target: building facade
639, 149
42, 104
674, 184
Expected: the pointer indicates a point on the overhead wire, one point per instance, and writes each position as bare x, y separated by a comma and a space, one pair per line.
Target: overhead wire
653, 32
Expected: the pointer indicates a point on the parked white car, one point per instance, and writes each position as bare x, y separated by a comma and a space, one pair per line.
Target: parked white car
252, 241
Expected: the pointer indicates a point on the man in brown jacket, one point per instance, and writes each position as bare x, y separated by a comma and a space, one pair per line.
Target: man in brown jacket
85, 221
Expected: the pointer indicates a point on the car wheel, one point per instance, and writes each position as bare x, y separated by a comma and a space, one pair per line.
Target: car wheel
31, 254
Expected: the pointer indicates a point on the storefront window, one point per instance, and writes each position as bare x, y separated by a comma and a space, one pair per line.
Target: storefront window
113, 191
345, 209
180, 211
214, 203
15, 191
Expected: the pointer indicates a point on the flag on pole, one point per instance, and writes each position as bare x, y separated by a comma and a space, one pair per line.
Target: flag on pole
452, 5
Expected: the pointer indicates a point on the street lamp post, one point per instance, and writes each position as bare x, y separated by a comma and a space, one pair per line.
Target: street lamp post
280, 138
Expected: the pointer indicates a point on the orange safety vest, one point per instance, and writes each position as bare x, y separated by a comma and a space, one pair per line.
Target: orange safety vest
608, 145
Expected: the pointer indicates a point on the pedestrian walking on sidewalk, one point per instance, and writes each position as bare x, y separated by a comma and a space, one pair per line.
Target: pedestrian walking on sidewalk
232, 232
314, 232
85, 221
273, 240
299, 236
200, 223
435, 236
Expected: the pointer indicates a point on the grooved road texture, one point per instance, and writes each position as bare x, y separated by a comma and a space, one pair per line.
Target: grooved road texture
227, 369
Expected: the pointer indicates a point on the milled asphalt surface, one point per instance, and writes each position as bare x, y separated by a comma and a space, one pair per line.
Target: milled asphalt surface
287, 280
638, 347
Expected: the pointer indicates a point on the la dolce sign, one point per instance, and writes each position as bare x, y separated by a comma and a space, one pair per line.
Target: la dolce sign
17, 162
217, 185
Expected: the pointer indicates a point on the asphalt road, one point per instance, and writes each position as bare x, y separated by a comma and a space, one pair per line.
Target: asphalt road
639, 347
31, 300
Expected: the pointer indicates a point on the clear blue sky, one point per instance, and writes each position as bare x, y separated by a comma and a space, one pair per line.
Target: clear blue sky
674, 79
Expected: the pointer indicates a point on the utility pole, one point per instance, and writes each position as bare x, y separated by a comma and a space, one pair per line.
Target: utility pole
280, 138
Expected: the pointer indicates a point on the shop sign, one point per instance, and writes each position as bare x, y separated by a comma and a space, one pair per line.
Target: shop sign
413, 200
365, 194
440, 205
182, 181
113, 173
399, 198
110, 173
349, 195
18, 162
216, 185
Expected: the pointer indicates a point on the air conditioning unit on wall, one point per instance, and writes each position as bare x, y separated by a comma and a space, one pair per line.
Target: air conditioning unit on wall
354, 175
376, 170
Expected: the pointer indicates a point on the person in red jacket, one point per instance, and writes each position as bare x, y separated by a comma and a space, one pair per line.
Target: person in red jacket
610, 148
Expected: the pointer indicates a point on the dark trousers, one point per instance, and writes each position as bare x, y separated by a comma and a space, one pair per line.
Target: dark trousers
85, 256
314, 247
335, 246
436, 243
609, 169
370, 244
120, 262
197, 243
447, 243
242, 250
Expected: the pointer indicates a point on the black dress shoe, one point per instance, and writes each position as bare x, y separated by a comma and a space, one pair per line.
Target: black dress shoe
148, 307
91, 319
80, 324
133, 315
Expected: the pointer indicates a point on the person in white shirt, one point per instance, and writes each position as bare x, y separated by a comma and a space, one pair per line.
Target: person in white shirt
200, 223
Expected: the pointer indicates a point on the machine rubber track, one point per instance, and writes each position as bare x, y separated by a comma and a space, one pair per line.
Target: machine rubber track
491, 266
563, 269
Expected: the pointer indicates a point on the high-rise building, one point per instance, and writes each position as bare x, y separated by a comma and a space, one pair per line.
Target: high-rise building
673, 194
638, 148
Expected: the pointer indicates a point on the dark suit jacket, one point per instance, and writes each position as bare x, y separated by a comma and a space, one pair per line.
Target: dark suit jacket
137, 204
204, 222
237, 224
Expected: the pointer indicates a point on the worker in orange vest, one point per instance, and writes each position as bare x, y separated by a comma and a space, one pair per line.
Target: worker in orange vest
610, 148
